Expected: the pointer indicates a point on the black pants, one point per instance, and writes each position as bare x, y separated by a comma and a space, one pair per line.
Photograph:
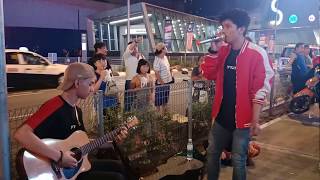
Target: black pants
104, 170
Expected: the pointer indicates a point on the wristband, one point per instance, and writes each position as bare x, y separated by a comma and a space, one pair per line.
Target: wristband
60, 159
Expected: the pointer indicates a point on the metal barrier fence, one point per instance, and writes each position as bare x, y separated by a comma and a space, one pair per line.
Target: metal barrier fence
162, 132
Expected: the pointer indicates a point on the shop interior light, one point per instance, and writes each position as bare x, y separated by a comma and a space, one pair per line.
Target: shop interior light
312, 18
125, 20
293, 19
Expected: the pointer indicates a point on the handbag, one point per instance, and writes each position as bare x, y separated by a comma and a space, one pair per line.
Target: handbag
111, 89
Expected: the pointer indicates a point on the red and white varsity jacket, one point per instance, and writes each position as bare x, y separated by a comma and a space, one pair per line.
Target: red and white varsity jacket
253, 79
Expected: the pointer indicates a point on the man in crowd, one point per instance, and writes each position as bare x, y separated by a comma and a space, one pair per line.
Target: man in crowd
299, 68
242, 73
131, 58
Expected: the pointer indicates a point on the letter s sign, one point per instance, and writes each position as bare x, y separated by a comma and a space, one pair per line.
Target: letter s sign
279, 13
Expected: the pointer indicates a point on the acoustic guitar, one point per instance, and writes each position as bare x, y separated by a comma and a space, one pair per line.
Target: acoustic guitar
36, 167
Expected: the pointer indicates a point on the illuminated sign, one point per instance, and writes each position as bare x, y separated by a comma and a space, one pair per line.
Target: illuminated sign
278, 12
312, 18
292, 13
293, 19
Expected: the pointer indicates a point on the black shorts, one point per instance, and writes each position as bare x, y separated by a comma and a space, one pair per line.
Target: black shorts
162, 94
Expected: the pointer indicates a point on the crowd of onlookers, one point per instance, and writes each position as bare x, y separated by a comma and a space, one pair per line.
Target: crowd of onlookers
139, 83
302, 60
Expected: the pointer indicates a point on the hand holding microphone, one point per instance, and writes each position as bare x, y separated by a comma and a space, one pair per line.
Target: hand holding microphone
216, 38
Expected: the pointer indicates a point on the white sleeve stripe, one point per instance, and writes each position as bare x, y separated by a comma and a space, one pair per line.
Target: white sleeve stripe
262, 93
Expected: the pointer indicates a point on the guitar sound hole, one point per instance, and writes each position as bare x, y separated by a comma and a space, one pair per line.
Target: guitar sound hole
77, 153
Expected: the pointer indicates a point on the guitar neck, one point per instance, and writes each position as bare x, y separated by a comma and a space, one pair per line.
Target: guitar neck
101, 140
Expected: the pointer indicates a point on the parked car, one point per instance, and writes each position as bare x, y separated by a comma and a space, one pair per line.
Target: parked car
29, 70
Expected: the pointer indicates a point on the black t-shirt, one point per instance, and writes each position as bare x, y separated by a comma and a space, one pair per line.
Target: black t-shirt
56, 119
226, 117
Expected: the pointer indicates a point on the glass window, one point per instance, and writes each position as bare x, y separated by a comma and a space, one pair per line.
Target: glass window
30, 59
113, 43
96, 29
12, 58
105, 31
106, 42
111, 32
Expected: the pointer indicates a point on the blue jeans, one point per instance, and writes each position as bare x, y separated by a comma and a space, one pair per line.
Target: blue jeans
219, 138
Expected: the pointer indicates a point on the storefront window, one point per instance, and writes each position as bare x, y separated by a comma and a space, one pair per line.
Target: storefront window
203, 29
113, 31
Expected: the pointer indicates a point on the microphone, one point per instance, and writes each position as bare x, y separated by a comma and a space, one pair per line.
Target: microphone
214, 38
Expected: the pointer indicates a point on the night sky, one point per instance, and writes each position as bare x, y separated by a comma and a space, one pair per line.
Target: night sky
212, 8
205, 8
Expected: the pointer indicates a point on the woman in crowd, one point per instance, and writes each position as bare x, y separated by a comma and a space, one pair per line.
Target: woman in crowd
104, 78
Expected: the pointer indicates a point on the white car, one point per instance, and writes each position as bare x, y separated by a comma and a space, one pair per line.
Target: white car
28, 70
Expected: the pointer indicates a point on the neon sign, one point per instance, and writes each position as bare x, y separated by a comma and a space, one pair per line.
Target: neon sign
279, 13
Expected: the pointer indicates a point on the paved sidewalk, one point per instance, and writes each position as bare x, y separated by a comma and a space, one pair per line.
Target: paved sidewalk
290, 151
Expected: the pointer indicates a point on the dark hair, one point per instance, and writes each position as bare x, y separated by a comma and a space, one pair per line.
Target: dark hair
99, 45
238, 16
306, 46
142, 62
96, 58
157, 52
298, 45
248, 38
211, 51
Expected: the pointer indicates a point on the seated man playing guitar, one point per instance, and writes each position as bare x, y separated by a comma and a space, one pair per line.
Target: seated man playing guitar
60, 118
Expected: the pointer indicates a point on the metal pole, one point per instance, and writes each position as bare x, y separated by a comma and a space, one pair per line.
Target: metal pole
128, 28
99, 101
273, 84
4, 127
189, 92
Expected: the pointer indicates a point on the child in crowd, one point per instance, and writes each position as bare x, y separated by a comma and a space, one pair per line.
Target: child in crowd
143, 85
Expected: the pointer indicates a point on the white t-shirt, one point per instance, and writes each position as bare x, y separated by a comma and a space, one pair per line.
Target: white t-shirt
163, 67
131, 64
108, 75
144, 81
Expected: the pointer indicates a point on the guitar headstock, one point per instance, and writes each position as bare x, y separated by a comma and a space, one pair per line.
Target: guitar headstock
132, 121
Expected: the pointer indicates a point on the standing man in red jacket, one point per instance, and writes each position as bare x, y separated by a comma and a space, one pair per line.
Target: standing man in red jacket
242, 73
